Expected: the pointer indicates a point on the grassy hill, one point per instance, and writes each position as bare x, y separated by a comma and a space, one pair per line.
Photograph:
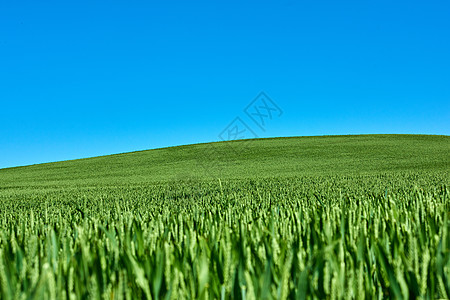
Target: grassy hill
259, 158
333, 217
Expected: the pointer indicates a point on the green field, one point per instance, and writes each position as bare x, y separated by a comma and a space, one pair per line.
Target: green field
334, 217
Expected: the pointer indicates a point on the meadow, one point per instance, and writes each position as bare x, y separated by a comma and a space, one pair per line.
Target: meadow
334, 217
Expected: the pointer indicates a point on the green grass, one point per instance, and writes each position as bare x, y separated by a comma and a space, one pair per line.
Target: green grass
261, 158
313, 217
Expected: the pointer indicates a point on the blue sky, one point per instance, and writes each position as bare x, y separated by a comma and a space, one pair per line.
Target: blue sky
88, 78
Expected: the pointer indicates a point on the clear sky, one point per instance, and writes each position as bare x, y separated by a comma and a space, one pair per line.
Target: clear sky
88, 78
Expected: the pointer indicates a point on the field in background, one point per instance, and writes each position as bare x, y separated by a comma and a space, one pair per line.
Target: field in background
313, 217
259, 158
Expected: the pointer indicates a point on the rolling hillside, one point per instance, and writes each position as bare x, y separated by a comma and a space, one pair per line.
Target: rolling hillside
328, 217
280, 157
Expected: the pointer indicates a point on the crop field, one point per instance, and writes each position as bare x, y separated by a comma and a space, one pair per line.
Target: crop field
338, 217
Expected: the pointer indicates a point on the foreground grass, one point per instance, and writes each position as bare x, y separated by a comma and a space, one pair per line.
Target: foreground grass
304, 237
273, 236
